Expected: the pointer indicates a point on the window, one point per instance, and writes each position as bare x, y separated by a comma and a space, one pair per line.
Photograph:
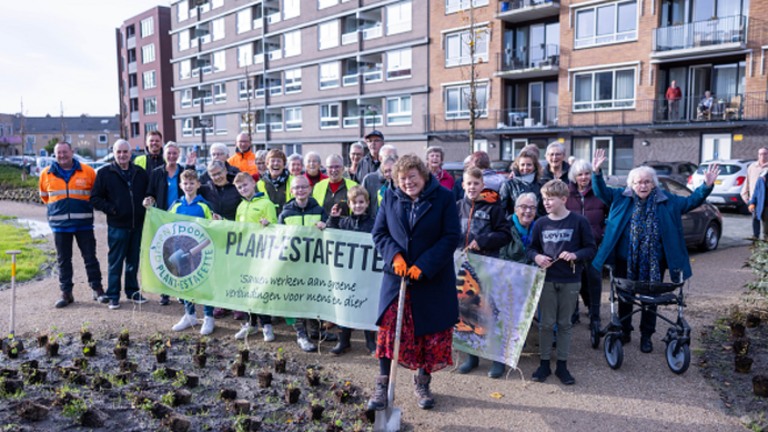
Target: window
219, 61
399, 64
329, 116
457, 101
244, 90
186, 98
244, 20
292, 119
150, 105
452, 6
618, 150
148, 53
329, 75
148, 80
399, 17
292, 43
291, 8
399, 110
328, 34
217, 4
185, 69
292, 81
219, 93
604, 90
220, 124
322, 4
218, 29
148, 127
275, 121
183, 11
245, 55
183, 40
147, 27
606, 23
186, 127
457, 49
103, 138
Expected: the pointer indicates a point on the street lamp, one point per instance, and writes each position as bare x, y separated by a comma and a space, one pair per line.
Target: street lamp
372, 109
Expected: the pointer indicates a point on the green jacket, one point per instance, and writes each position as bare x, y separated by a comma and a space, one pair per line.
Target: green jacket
257, 208
514, 251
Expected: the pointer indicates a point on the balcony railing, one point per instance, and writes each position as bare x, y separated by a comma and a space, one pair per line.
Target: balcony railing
261, 127
259, 92
199, 131
528, 58
528, 117
348, 80
276, 90
713, 32
373, 120
273, 18
512, 5
275, 55
349, 38
349, 122
258, 59
258, 23
373, 76
133, 92
276, 126
372, 32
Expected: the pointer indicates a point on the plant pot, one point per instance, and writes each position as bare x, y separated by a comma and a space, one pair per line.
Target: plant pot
199, 360
42, 341
313, 378
760, 385
85, 337
200, 347
367, 416
316, 412
13, 351
741, 346
333, 428
753, 320
238, 369
89, 351
123, 376
128, 366
76, 378
37, 376
245, 355
80, 363
121, 352
29, 365
737, 330
227, 394
100, 383
52, 349
742, 364
161, 356
124, 339
280, 366
341, 395
155, 342
264, 379
292, 395
192, 381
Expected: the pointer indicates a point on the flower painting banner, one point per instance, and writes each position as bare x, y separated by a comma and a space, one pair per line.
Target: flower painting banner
497, 300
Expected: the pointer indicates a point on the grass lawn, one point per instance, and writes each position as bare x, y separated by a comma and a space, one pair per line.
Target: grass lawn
31, 258
10, 176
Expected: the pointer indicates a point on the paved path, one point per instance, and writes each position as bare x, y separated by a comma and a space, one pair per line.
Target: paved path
642, 396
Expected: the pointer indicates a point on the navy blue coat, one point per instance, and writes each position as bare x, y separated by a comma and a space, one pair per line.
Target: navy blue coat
427, 241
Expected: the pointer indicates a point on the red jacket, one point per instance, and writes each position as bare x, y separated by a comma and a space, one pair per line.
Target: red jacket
674, 93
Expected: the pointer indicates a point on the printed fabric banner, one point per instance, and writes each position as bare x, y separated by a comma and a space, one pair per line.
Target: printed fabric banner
278, 270
497, 300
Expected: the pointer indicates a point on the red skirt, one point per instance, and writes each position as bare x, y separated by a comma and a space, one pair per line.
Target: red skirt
430, 352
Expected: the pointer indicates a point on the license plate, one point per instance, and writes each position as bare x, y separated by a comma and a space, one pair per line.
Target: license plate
717, 182
716, 200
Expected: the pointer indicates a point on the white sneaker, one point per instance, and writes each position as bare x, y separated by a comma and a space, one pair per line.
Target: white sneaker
245, 329
207, 327
269, 336
186, 322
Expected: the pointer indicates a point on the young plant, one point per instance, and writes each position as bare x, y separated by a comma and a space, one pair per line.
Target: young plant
84, 327
280, 354
167, 399
181, 379
74, 409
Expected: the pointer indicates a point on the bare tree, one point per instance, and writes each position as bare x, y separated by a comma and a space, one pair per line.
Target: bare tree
475, 107
63, 124
249, 116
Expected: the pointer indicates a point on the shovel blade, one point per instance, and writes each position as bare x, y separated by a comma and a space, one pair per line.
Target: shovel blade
388, 420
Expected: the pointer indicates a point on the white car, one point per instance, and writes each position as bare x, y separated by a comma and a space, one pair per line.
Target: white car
727, 191
42, 163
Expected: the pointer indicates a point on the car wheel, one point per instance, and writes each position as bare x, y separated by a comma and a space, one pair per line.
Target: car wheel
711, 238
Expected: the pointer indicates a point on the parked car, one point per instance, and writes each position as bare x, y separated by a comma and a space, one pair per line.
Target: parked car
456, 169
678, 170
42, 163
501, 167
727, 191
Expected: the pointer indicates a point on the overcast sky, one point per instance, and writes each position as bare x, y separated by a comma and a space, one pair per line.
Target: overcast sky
62, 51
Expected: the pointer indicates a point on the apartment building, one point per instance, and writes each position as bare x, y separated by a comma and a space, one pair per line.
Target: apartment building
145, 75
302, 75
89, 136
595, 73
10, 145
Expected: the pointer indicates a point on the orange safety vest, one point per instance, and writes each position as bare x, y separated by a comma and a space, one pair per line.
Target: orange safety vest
68, 203
245, 162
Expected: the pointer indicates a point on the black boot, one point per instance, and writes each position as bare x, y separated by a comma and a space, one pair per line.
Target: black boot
343, 345
562, 373
542, 372
370, 341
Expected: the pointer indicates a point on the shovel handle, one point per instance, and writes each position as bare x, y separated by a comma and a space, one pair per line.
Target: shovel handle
396, 354
196, 250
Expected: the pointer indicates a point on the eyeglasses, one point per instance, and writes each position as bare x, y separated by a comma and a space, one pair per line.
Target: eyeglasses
303, 187
644, 183
334, 167
525, 208
216, 174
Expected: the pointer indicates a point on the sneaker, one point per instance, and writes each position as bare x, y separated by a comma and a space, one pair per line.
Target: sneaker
114, 303
422, 391
646, 345
98, 295
542, 372
378, 401
137, 298
240, 315
207, 327
562, 373
245, 329
164, 300
181, 301
186, 322
66, 298
305, 344
269, 336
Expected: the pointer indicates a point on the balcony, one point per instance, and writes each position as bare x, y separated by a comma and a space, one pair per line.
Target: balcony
348, 80
373, 76
132, 67
273, 18
276, 127
349, 122
377, 120
276, 90
199, 131
373, 32
524, 63
130, 43
134, 117
258, 59
258, 23
133, 92
717, 34
259, 92
527, 117
349, 38
515, 11
261, 127
275, 55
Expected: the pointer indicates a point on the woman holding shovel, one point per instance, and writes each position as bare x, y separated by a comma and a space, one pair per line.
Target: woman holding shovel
416, 232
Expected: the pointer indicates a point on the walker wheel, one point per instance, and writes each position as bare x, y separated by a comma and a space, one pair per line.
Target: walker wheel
614, 350
678, 363
594, 336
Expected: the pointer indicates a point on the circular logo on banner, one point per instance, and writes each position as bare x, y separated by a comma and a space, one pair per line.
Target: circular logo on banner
181, 255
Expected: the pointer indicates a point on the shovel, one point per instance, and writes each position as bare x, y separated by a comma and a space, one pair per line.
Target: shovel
177, 257
388, 420
11, 340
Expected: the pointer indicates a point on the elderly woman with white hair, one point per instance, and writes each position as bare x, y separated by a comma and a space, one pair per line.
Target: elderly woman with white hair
557, 167
295, 165
333, 189
582, 200
220, 152
644, 235
312, 172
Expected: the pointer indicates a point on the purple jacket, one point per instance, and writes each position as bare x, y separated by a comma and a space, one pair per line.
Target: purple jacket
589, 206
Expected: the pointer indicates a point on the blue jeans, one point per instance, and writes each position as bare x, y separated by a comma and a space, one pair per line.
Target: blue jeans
87, 244
755, 227
124, 245
190, 308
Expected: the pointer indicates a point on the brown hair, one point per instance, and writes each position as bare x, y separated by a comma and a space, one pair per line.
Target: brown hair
474, 172
555, 189
277, 153
154, 132
356, 191
531, 156
408, 162
189, 175
242, 177
481, 160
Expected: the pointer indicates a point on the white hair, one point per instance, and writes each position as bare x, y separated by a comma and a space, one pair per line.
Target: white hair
118, 143
642, 170
216, 164
334, 157
387, 148
527, 195
356, 145
221, 146
293, 157
312, 154
577, 167
261, 154
556, 144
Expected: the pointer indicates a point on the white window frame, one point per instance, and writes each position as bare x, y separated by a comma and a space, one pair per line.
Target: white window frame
613, 38
152, 101
293, 124
182, 11
244, 20
615, 104
462, 90
218, 29
187, 127
220, 124
292, 43
185, 69
291, 9
244, 89
148, 53
330, 81
453, 6
293, 81
399, 17
400, 118
330, 122
399, 64
322, 4
148, 83
219, 61
245, 55
462, 38
217, 4
219, 93
185, 97
103, 139
147, 27
328, 34
183, 40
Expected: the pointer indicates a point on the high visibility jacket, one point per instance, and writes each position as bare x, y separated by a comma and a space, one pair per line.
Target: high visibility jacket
245, 162
322, 191
278, 196
199, 207
257, 208
302, 216
68, 202
149, 161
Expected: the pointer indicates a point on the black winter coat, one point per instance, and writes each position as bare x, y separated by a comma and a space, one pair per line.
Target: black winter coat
547, 175
232, 171
366, 166
229, 199
513, 188
483, 220
425, 233
158, 189
120, 197
591, 207
359, 223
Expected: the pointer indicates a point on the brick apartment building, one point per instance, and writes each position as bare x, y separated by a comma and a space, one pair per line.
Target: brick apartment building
304, 75
145, 75
89, 136
594, 74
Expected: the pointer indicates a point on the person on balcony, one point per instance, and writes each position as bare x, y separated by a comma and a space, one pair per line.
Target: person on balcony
674, 94
705, 106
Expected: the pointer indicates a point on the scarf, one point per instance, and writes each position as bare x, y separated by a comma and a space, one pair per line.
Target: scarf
279, 181
527, 178
525, 233
644, 240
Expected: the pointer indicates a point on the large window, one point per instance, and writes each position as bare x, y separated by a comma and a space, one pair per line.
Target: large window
329, 116
244, 90
604, 90
452, 6
293, 81
148, 80
618, 149
292, 43
219, 61
245, 55
291, 8
328, 34
148, 53
150, 105
244, 20
322, 4
218, 29
182, 11
147, 27
186, 127
220, 124
183, 40
399, 17
329, 75
458, 49
185, 69
399, 64
148, 127
606, 23
458, 101
219, 93
292, 119
186, 98
399, 110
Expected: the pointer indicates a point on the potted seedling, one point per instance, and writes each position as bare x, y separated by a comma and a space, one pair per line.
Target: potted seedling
42, 340
124, 338
198, 357
100, 382
280, 362
36, 376
13, 347
128, 366
85, 334
341, 395
292, 393
161, 354
737, 323
335, 426
753, 320
742, 364
52, 347
316, 409
238, 367
313, 378
244, 353
740, 347
227, 394
121, 351
201, 345
760, 385
80, 363
155, 340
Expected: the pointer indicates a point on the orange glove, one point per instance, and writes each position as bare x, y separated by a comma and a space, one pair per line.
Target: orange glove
751, 207
399, 265
414, 273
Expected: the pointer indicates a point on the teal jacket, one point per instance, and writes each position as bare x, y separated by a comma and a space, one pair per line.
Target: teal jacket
671, 208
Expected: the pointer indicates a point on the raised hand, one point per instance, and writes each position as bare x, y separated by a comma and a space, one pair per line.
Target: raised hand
598, 159
191, 158
710, 175
336, 210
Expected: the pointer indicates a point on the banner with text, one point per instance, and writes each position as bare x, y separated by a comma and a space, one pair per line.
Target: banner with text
497, 300
278, 270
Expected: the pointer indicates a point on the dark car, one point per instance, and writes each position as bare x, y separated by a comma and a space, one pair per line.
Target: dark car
679, 170
456, 169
